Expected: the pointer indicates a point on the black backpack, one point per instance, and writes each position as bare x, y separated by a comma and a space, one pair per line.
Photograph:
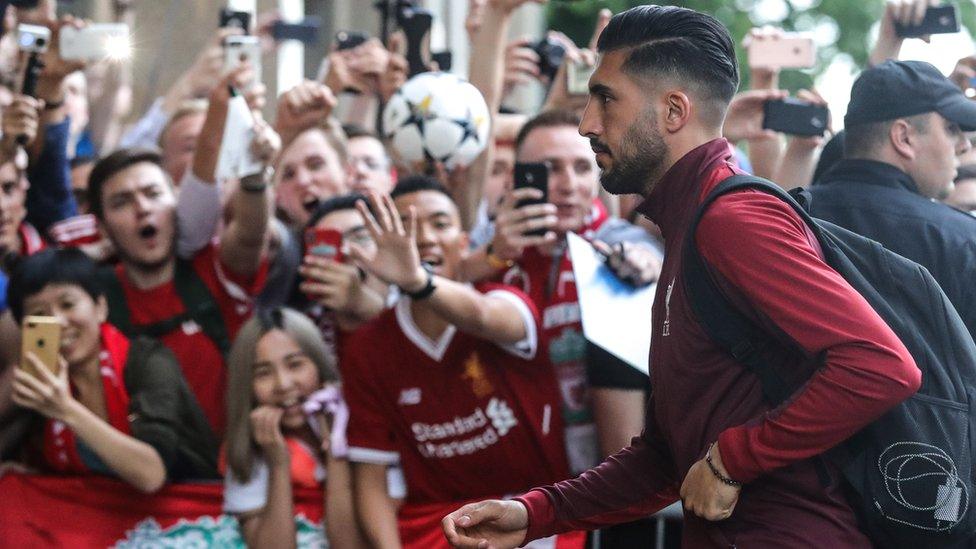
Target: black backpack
909, 476
198, 303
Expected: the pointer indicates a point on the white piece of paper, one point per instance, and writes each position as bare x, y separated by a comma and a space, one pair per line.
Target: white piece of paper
616, 316
235, 159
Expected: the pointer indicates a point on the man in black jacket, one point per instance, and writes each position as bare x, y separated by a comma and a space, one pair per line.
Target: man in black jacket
904, 129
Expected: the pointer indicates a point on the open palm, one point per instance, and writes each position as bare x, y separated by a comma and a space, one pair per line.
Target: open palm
396, 259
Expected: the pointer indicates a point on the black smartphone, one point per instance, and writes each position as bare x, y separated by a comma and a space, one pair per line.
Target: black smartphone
306, 31
239, 19
795, 117
532, 175
551, 54
443, 59
347, 40
938, 20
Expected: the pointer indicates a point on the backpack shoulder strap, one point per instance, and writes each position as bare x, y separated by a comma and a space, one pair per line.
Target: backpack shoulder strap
200, 304
721, 320
118, 307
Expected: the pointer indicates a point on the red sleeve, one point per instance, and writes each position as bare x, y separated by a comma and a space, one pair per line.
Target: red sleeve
631, 484
369, 435
240, 288
759, 247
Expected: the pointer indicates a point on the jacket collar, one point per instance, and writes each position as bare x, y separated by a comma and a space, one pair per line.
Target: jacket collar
869, 172
677, 194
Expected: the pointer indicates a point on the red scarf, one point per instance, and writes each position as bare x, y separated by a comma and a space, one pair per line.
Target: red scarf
60, 446
30, 239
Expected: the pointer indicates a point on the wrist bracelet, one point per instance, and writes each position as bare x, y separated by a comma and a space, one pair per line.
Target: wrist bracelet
726, 480
428, 288
50, 106
496, 263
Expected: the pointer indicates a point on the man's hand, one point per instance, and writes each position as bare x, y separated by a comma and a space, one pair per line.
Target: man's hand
304, 106
964, 73
704, 494
266, 426
511, 224
267, 143
358, 69
397, 68
521, 64
816, 141
51, 79
396, 259
635, 264
334, 285
493, 524
897, 12
205, 72
745, 116
20, 122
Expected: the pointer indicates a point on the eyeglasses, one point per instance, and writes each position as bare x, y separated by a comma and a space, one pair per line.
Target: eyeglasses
369, 164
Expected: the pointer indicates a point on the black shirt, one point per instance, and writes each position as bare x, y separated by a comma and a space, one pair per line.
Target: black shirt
881, 202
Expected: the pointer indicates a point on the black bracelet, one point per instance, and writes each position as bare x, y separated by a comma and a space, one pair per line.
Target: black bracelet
726, 480
428, 288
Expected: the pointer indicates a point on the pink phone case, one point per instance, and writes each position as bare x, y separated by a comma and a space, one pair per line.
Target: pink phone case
788, 52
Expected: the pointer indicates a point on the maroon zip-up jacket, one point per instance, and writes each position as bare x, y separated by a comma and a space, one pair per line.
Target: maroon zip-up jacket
769, 263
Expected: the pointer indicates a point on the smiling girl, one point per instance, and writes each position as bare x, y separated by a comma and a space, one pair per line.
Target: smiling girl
278, 365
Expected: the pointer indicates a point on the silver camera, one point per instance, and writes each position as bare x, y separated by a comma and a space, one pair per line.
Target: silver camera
33, 38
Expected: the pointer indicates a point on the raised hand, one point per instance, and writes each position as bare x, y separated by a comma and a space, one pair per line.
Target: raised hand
266, 429
20, 122
304, 106
396, 259
334, 285
494, 524
512, 223
47, 394
635, 264
745, 116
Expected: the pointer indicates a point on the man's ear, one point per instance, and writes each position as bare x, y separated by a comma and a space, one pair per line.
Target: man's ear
677, 111
903, 138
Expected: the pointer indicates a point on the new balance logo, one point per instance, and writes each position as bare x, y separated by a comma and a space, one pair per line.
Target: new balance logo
409, 397
502, 417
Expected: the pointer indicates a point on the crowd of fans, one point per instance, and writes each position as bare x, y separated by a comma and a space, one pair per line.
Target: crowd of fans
437, 357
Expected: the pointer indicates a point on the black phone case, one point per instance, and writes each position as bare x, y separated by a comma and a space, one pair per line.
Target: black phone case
534, 176
231, 18
938, 20
347, 40
795, 117
306, 31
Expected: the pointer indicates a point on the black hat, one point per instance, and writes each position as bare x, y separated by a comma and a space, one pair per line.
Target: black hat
896, 89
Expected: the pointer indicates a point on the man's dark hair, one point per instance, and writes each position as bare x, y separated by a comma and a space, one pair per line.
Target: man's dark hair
32, 274
546, 119
355, 130
337, 204
111, 165
667, 40
416, 183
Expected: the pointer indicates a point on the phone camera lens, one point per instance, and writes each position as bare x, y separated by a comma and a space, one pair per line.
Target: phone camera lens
40, 343
40, 42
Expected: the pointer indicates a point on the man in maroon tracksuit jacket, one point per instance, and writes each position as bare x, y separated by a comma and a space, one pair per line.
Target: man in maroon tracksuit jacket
657, 102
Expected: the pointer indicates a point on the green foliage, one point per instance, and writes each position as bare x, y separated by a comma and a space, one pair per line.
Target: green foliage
850, 20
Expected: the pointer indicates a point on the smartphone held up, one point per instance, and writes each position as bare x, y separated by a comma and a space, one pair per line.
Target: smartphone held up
41, 336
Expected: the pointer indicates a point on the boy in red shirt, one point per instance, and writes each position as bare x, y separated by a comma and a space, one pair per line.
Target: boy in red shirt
134, 201
445, 383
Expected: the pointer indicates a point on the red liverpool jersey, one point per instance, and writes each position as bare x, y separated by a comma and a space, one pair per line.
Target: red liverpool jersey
465, 417
200, 359
549, 281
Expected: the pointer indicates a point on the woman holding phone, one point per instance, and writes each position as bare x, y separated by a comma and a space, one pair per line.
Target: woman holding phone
115, 406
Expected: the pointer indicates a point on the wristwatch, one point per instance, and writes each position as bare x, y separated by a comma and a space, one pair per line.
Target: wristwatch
428, 288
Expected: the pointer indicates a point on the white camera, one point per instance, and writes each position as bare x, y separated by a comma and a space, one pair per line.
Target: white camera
33, 38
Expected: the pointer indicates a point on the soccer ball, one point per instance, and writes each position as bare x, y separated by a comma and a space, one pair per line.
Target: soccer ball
437, 116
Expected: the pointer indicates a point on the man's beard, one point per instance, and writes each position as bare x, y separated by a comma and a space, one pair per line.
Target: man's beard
638, 163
